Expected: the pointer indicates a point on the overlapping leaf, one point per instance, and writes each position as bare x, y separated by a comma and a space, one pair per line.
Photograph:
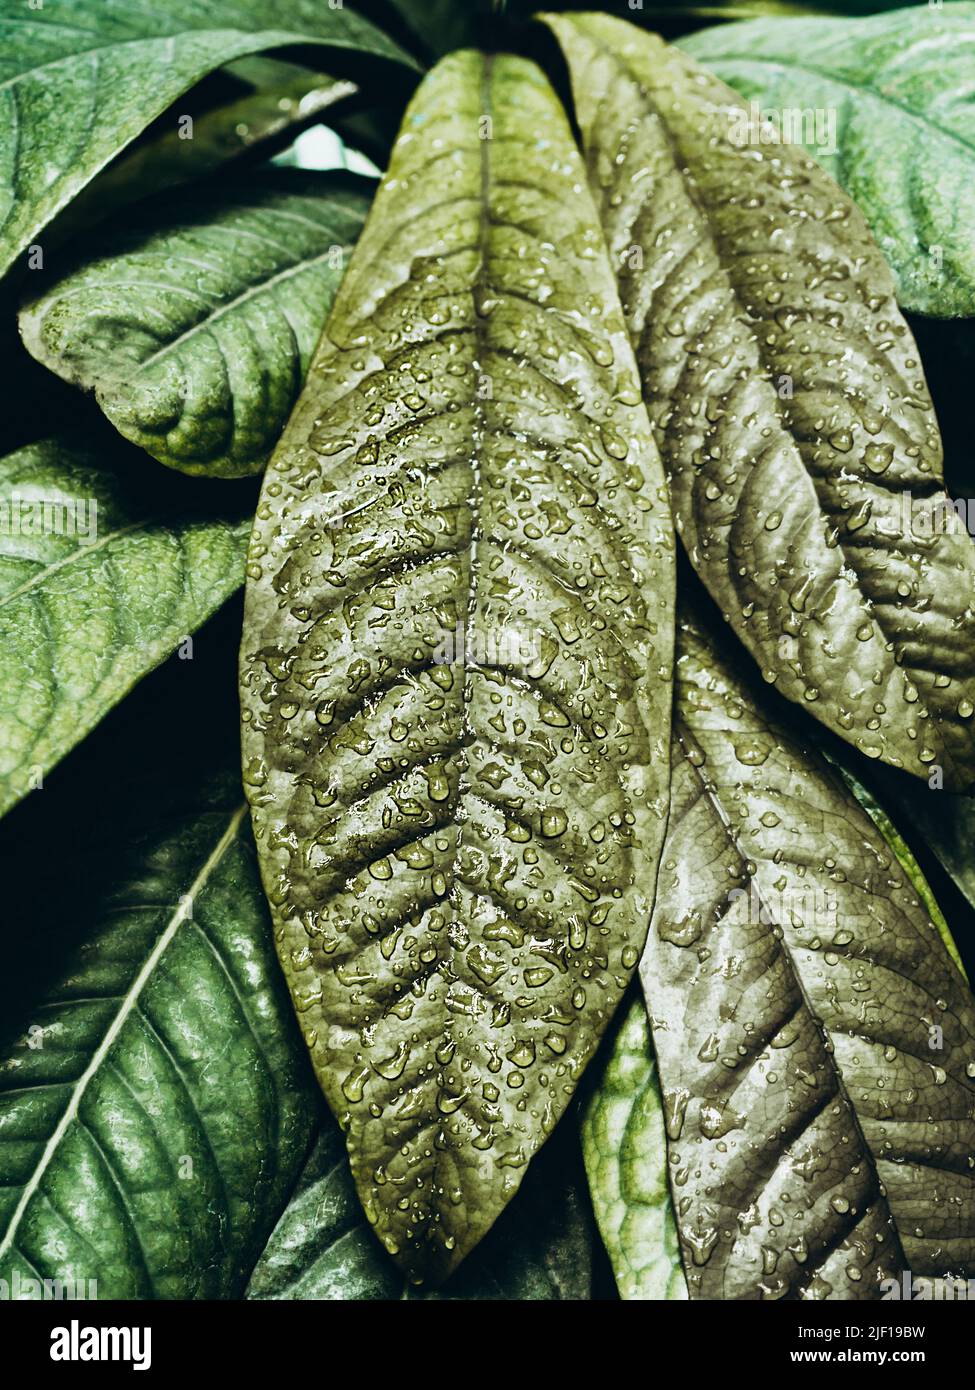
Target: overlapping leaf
283, 98
788, 402
80, 79
195, 321
455, 666
323, 1248
155, 1099
625, 1147
884, 104
101, 577
816, 1041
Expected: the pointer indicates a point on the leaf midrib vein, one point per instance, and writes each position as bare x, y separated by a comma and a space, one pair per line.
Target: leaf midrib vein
129, 1002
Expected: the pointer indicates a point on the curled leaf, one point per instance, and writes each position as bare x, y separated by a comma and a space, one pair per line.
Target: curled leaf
195, 321
74, 92
456, 664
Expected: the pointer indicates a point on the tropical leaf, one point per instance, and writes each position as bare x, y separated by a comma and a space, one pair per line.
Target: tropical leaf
195, 321
625, 1148
155, 1099
788, 403
455, 665
101, 577
816, 1041
79, 80
323, 1247
884, 104
290, 98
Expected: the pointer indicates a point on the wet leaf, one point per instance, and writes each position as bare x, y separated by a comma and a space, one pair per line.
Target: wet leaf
456, 664
101, 577
155, 1100
884, 104
625, 1148
788, 402
195, 320
816, 1041
75, 89
323, 1247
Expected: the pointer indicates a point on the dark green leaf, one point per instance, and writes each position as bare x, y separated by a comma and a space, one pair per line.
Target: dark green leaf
456, 664
101, 577
81, 78
252, 123
884, 104
195, 321
323, 1247
816, 1040
155, 1100
788, 401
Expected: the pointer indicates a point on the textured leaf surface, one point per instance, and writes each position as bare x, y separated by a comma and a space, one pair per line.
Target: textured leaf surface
816, 1041
80, 79
323, 1247
896, 92
456, 661
195, 322
101, 577
625, 1148
155, 1099
788, 402
906, 859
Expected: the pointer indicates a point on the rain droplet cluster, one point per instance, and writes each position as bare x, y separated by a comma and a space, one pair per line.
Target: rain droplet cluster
817, 1142
458, 636
788, 402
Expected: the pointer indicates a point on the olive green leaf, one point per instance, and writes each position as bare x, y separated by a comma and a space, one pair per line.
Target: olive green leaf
884, 104
101, 577
74, 84
816, 1041
195, 320
788, 402
625, 1149
155, 1102
323, 1247
456, 664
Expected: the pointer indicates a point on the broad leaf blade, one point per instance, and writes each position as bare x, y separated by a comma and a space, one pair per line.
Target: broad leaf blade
155, 1100
80, 80
455, 667
101, 577
788, 403
195, 322
324, 1249
884, 104
816, 1041
625, 1148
